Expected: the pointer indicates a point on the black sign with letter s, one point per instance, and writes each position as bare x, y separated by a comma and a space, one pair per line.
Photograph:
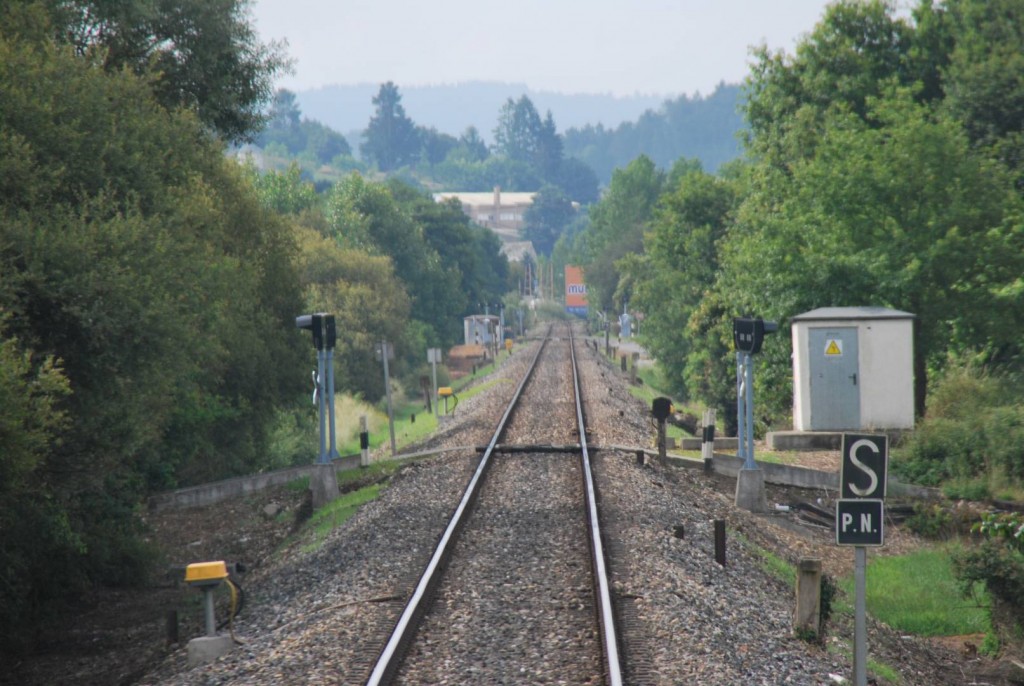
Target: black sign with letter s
865, 462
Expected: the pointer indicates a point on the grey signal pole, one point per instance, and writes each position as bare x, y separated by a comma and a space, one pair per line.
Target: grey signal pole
385, 349
433, 357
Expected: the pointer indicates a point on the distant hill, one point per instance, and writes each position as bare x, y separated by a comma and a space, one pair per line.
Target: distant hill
453, 108
604, 131
701, 128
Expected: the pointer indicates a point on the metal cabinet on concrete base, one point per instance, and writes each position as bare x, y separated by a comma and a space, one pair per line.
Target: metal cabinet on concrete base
853, 369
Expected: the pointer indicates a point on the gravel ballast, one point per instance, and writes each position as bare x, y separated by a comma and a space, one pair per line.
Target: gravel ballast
322, 616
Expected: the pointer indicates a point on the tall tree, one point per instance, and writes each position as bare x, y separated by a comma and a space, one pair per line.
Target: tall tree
853, 53
436, 145
370, 216
677, 270
368, 301
898, 212
577, 180
617, 225
203, 54
472, 147
391, 137
134, 252
517, 134
547, 218
525, 139
284, 111
323, 143
984, 79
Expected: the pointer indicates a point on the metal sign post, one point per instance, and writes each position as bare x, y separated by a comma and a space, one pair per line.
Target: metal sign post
321, 325
331, 337
860, 522
433, 357
741, 407
747, 389
748, 336
384, 352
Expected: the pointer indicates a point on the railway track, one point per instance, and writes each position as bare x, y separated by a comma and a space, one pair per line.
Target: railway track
517, 589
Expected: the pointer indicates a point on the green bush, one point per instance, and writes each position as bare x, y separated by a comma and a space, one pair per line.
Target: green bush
962, 390
1004, 441
972, 441
940, 449
998, 563
931, 521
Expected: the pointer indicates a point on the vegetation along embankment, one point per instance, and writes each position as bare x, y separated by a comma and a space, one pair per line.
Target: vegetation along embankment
148, 284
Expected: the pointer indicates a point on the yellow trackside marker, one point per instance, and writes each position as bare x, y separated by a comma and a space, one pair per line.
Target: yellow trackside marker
834, 347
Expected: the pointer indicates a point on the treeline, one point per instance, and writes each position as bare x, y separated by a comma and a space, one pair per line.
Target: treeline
527, 152
702, 128
149, 285
883, 167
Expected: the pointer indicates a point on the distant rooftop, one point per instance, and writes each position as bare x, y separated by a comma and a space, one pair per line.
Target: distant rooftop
823, 313
478, 199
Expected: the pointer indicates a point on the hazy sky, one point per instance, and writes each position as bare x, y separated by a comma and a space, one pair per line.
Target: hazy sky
662, 47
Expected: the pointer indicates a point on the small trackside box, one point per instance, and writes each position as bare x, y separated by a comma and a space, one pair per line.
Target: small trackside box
206, 573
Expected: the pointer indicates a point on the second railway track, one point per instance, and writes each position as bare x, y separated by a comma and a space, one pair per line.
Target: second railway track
523, 599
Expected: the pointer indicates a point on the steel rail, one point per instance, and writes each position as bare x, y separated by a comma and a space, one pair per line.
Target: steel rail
605, 611
392, 654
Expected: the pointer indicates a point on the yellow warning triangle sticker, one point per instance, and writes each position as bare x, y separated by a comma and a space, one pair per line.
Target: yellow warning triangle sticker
833, 348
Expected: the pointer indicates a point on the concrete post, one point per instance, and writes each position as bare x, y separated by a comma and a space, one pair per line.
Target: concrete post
806, 617
750, 493
323, 483
211, 646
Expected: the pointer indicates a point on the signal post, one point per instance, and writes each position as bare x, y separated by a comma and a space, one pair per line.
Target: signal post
860, 522
748, 336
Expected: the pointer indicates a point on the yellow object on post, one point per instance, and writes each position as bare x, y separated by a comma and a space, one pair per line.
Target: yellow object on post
206, 573
447, 392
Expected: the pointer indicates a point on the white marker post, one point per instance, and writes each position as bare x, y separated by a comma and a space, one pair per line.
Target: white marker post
860, 522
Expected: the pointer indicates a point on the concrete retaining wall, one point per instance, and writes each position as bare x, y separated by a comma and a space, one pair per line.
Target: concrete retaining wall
207, 494
728, 465
789, 475
724, 442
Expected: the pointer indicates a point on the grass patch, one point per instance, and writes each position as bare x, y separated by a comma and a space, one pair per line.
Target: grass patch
771, 563
880, 669
467, 393
334, 514
776, 457
373, 472
918, 593
300, 485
